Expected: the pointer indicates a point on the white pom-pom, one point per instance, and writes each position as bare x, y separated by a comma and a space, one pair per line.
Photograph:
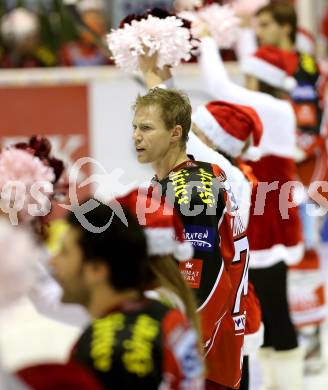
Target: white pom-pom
289, 83
183, 251
18, 258
166, 36
220, 21
253, 153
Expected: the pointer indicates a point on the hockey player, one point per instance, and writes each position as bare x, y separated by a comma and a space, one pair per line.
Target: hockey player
218, 272
131, 341
233, 131
276, 25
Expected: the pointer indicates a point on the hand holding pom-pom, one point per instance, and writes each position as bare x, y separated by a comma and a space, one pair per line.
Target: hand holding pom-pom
147, 62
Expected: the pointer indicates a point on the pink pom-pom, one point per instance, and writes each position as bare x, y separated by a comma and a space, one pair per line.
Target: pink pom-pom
22, 168
166, 36
18, 258
220, 21
248, 7
125, 47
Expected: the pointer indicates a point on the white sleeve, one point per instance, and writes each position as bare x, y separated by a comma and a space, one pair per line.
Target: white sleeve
240, 186
218, 83
246, 44
46, 298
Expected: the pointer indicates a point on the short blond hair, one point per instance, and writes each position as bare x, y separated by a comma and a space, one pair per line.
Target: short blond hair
175, 108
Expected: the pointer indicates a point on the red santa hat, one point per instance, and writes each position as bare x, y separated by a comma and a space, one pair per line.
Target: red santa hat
273, 66
163, 228
229, 127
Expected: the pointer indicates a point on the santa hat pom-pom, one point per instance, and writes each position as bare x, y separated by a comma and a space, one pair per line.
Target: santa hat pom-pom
290, 83
183, 251
18, 258
248, 7
168, 37
253, 153
221, 22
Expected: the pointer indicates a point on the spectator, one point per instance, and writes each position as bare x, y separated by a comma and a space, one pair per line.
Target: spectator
86, 51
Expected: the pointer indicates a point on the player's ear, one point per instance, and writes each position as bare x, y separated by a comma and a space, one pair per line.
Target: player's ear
176, 134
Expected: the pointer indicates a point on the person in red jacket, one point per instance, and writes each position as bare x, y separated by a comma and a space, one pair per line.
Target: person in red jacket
277, 25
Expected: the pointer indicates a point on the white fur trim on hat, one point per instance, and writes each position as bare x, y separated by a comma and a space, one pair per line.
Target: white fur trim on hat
212, 129
268, 73
161, 241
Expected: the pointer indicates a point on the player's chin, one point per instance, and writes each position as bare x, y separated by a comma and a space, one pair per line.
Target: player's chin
143, 159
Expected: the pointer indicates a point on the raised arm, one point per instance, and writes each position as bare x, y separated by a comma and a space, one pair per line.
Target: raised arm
152, 75
218, 83
246, 44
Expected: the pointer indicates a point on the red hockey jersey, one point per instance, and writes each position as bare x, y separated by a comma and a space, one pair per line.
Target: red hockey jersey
218, 272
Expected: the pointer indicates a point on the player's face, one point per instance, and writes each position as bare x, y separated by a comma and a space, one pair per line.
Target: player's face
151, 138
268, 31
69, 270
